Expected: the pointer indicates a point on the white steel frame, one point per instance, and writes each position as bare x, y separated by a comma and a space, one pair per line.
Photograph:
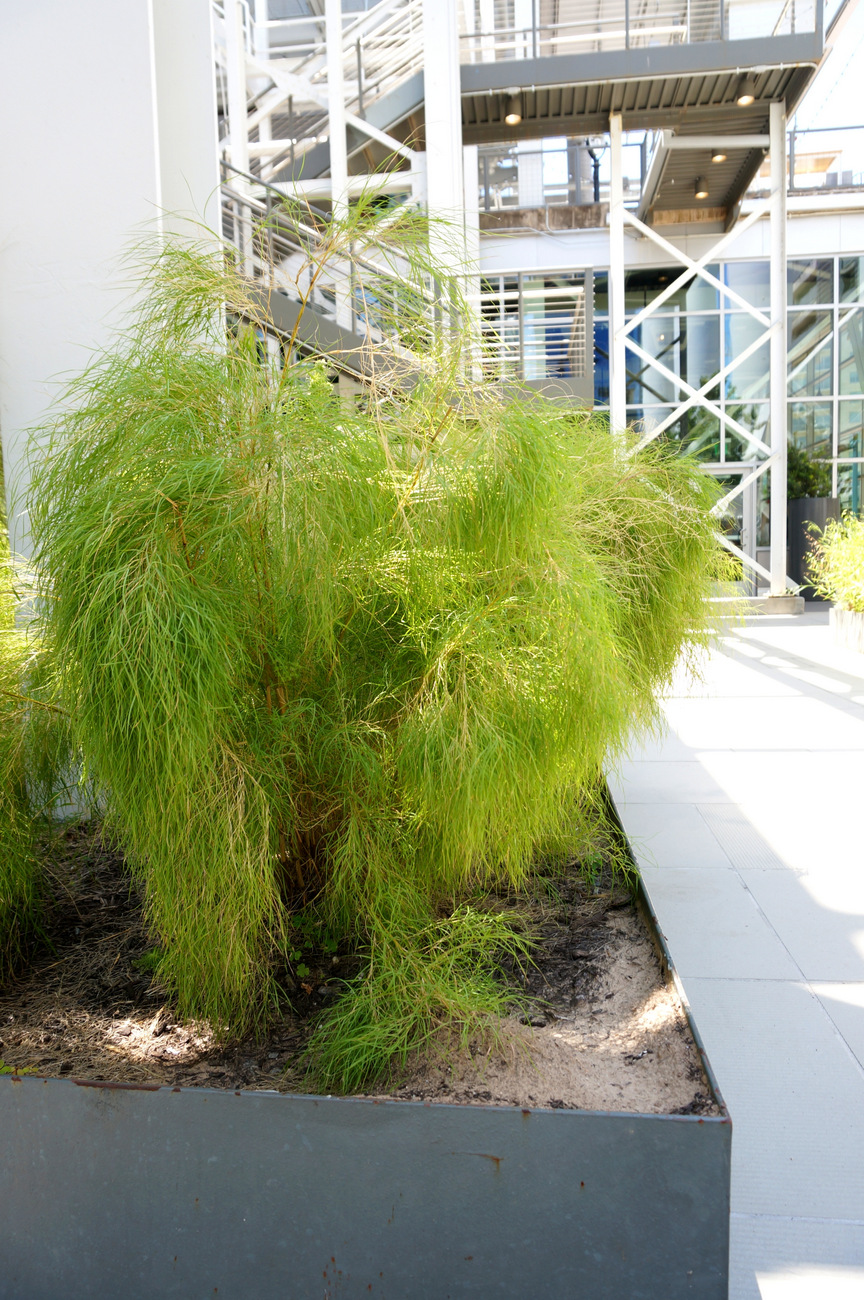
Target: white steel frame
773, 331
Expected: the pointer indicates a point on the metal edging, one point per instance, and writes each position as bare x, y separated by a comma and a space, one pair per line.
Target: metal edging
658, 938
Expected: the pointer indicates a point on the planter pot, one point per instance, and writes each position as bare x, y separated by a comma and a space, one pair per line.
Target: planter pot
135, 1192
801, 513
848, 628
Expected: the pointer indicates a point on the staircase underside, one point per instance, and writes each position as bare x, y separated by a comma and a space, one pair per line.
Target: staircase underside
689, 89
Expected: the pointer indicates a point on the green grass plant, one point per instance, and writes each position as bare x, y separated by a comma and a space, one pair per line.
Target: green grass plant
837, 562
361, 664
20, 881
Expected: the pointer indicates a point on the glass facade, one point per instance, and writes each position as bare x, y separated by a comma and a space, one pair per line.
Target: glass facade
697, 331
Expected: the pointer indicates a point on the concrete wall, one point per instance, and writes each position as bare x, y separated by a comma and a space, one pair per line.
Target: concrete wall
109, 114
809, 235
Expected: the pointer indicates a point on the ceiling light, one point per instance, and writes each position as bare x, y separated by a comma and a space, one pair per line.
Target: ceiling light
746, 92
513, 116
718, 155
701, 189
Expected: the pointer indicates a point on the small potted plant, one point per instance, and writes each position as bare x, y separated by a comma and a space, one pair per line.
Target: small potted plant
837, 565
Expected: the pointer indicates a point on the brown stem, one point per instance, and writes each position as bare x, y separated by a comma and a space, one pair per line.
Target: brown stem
174, 506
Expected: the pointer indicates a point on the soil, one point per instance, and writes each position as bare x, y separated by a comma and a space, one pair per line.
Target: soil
600, 1028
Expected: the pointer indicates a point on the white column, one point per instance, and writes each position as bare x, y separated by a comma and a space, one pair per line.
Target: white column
262, 53
444, 174
336, 106
778, 363
235, 74
617, 349
338, 150
471, 173
186, 119
113, 84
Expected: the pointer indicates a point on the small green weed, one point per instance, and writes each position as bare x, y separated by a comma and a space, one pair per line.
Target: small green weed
837, 562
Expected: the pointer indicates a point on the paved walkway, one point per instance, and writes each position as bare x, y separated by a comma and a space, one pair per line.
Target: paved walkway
747, 819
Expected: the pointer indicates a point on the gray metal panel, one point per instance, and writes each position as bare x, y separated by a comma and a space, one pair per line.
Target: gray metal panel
696, 59
133, 1193
389, 113
342, 349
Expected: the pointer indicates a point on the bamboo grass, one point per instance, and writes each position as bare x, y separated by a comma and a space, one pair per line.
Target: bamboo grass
20, 880
361, 663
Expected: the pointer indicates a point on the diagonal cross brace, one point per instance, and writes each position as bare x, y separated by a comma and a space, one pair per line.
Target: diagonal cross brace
696, 395
699, 397
698, 266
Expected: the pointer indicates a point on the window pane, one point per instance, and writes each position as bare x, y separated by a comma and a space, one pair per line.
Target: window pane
749, 379
753, 416
689, 346
702, 357
643, 286
659, 336
810, 282
852, 279
810, 427
849, 485
697, 431
852, 353
601, 360
851, 431
750, 280
601, 293
810, 356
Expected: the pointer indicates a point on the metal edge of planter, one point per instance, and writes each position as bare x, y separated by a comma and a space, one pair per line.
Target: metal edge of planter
141, 1190
667, 965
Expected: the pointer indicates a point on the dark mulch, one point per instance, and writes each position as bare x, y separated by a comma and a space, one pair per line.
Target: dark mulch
89, 1007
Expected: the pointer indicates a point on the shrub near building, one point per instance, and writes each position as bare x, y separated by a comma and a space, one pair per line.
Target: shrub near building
355, 667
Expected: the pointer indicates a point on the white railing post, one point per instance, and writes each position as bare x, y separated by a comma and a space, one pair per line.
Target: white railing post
778, 348
444, 159
617, 337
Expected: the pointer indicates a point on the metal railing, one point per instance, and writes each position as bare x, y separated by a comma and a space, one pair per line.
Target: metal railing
535, 327
576, 172
280, 244
382, 47
495, 30
826, 158
819, 160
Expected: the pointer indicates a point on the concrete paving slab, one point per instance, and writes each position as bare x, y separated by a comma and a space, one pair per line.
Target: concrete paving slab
780, 777
809, 835
794, 1093
714, 927
844, 1003
659, 749
777, 1258
739, 838
644, 781
728, 676
769, 935
819, 916
762, 723
674, 834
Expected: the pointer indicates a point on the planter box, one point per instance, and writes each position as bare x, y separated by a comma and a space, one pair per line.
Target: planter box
848, 628
126, 1192
800, 513
135, 1192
